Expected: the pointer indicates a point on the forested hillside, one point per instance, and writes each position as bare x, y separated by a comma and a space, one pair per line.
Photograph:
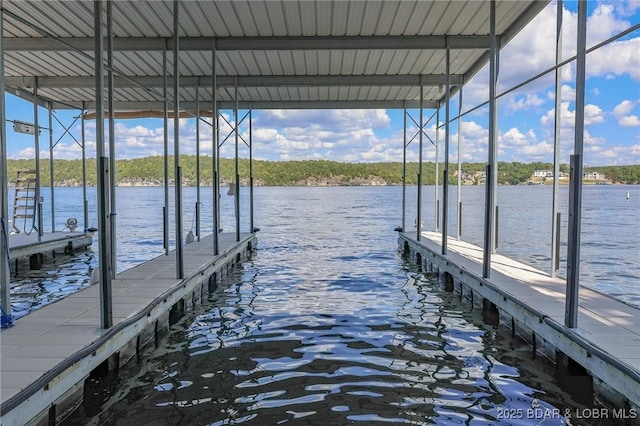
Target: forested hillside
150, 171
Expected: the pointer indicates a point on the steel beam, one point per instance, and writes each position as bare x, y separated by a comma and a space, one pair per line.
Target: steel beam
140, 44
404, 169
251, 222
575, 190
419, 196
38, 200
112, 142
260, 105
51, 173
156, 81
236, 194
489, 222
104, 264
165, 138
445, 178
436, 190
85, 201
555, 236
5, 271
176, 141
198, 163
459, 192
214, 153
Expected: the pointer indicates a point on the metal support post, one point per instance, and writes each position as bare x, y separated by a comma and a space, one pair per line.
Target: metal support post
555, 235
5, 271
165, 122
38, 193
112, 142
176, 140
237, 166
106, 313
575, 190
198, 163
85, 201
419, 207
251, 222
459, 192
495, 147
404, 168
445, 178
436, 199
489, 222
214, 153
51, 172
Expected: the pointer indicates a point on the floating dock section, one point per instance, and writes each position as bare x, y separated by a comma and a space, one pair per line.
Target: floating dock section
605, 344
48, 355
28, 251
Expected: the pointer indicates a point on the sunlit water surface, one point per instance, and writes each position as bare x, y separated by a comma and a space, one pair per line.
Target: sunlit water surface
327, 324
609, 249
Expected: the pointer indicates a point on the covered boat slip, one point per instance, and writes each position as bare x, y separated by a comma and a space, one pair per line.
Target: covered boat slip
110, 59
607, 337
50, 352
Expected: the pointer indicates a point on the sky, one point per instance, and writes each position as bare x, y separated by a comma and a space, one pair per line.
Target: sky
525, 116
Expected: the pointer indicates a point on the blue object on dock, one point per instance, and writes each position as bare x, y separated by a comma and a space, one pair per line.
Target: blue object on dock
7, 319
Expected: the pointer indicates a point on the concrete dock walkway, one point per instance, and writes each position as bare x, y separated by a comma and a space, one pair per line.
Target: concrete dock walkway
606, 341
48, 353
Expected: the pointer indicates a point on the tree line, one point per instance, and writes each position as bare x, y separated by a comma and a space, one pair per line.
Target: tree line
150, 171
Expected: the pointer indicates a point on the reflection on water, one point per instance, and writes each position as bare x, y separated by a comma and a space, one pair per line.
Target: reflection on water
608, 251
59, 277
328, 325
268, 349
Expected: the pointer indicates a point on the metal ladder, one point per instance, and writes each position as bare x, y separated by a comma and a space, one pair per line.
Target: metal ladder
24, 204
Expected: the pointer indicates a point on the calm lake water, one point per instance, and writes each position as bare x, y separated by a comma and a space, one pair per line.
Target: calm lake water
609, 251
327, 324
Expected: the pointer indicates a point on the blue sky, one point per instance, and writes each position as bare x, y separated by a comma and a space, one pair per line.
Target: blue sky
612, 123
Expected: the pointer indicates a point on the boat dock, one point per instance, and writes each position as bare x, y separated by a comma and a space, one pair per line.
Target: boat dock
29, 248
49, 354
605, 343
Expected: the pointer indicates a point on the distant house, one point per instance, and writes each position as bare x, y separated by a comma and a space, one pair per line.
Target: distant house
548, 174
466, 176
543, 173
593, 176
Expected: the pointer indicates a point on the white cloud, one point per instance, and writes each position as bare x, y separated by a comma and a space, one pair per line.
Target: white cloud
623, 108
538, 150
622, 112
629, 121
613, 155
593, 114
513, 137
526, 102
617, 58
567, 93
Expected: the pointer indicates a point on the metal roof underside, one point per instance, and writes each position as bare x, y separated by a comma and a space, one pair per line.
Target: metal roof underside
280, 54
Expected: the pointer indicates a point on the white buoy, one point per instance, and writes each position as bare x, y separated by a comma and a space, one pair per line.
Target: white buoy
628, 196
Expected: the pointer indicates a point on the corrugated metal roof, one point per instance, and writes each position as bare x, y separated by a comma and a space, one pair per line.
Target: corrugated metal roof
276, 39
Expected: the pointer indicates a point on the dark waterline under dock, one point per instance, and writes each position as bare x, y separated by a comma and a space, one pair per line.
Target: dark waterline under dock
48, 354
34, 250
605, 343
